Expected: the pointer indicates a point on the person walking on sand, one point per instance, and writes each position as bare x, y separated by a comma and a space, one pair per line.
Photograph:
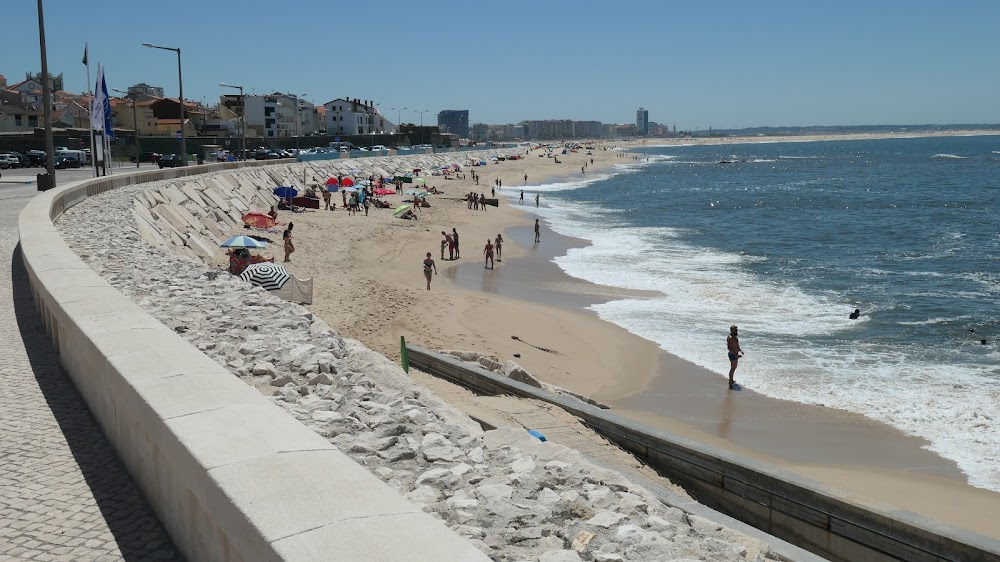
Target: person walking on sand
498, 247
538, 232
525, 179
734, 352
537, 195
488, 252
289, 245
445, 242
428, 266
482, 201
326, 200
454, 236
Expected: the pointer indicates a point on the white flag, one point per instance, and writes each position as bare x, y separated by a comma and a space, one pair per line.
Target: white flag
97, 103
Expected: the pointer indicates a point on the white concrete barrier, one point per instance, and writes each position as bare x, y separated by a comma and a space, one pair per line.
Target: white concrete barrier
230, 475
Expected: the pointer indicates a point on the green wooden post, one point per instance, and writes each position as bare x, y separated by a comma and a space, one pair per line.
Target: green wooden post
402, 354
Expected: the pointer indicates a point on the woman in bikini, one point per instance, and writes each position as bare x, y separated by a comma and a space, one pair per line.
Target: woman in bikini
289, 245
428, 266
498, 247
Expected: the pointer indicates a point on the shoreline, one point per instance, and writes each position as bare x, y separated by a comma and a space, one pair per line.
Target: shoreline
528, 296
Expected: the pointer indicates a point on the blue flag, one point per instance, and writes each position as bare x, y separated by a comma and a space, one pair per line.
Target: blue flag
106, 101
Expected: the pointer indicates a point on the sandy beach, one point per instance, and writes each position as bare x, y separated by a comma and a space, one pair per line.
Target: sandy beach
368, 283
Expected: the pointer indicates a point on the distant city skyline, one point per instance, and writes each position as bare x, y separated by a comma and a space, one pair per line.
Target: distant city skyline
725, 65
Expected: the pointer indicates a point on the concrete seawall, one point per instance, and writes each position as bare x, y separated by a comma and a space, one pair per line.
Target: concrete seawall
785, 505
229, 474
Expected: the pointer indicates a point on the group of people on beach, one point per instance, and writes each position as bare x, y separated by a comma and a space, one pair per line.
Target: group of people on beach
476, 200
450, 242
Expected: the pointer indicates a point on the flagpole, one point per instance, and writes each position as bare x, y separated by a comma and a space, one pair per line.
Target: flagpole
90, 109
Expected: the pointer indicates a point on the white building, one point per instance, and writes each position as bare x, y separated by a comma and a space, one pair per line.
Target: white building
262, 115
355, 117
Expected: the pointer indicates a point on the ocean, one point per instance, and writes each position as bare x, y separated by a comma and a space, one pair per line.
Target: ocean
786, 241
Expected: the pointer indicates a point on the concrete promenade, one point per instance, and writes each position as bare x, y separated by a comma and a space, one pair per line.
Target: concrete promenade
64, 495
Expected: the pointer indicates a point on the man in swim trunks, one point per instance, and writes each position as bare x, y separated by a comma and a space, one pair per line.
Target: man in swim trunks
733, 345
498, 247
488, 252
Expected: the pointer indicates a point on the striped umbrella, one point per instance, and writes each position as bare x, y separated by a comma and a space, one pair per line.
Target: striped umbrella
268, 275
243, 242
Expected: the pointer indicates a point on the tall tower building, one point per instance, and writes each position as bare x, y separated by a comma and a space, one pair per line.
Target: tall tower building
454, 121
642, 122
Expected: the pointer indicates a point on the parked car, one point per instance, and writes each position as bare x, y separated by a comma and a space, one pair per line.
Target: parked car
147, 157
8, 160
66, 162
37, 157
170, 161
265, 154
379, 148
23, 158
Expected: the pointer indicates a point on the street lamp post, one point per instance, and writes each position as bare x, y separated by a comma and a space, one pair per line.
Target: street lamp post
421, 112
50, 157
180, 94
399, 118
241, 122
135, 126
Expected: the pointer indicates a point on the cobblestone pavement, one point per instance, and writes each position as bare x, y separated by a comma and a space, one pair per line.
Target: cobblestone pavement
64, 495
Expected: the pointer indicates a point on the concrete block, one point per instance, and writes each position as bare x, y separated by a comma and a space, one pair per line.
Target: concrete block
199, 245
238, 433
191, 392
289, 493
216, 197
239, 205
383, 538
166, 213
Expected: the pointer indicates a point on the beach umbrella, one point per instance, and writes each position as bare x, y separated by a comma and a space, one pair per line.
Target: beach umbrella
267, 275
400, 210
242, 241
332, 181
417, 192
417, 170
383, 191
445, 167
350, 188
456, 166
346, 182
285, 192
258, 220
420, 181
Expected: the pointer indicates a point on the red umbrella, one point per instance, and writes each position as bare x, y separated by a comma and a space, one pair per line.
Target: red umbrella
383, 191
332, 181
347, 182
258, 220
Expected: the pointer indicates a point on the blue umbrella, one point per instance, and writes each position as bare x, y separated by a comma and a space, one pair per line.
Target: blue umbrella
243, 242
285, 192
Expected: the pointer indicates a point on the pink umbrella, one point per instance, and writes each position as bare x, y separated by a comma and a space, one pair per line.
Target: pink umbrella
383, 191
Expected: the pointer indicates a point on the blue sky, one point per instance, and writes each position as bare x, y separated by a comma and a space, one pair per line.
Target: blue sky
695, 64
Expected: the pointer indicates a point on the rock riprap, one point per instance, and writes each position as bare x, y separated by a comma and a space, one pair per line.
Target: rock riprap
513, 496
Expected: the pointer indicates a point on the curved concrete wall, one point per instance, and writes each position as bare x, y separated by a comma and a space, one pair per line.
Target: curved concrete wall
230, 475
